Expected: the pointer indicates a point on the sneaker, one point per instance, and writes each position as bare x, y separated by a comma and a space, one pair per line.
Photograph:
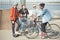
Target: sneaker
44, 37
14, 35
17, 32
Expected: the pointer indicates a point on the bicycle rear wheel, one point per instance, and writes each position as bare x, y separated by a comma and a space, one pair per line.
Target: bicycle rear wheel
54, 32
32, 32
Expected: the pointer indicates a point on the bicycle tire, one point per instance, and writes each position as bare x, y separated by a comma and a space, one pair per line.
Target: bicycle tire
30, 30
55, 31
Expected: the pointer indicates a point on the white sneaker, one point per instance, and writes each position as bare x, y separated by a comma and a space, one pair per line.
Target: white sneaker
17, 32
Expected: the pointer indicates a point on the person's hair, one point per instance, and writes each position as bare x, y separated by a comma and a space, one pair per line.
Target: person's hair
15, 4
42, 4
22, 5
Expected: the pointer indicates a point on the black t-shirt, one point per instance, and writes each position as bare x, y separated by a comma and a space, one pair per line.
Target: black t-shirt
23, 12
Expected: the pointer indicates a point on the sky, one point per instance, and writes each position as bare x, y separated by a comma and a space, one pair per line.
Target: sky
33, 0
42, 0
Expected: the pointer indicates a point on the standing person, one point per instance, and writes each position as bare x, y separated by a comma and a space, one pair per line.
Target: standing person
46, 17
14, 19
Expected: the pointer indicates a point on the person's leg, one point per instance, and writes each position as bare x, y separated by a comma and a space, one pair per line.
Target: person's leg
13, 28
23, 24
18, 27
43, 29
39, 31
20, 24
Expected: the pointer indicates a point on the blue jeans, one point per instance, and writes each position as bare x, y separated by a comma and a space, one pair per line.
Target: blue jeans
23, 21
13, 26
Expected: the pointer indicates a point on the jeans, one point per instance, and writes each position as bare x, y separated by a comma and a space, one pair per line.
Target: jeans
13, 26
23, 22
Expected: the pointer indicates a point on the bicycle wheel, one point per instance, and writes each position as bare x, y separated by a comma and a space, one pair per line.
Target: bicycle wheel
54, 32
32, 32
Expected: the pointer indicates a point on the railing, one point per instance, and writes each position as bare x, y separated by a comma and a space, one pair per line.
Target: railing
55, 18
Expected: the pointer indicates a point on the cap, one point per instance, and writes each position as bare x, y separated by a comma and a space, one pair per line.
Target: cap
42, 4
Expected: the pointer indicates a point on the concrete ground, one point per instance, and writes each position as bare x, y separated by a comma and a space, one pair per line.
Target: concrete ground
7, 35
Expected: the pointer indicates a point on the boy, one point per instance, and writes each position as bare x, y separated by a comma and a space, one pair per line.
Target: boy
46, 17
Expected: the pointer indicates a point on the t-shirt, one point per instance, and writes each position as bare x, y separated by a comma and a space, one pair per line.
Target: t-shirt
23, 12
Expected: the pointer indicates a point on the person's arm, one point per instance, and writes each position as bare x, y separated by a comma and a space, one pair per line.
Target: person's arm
19, 15
42, 13
11, 15
27, 13
20, 11
11, 12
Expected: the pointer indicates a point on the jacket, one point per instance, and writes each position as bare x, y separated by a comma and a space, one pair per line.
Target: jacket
13, 14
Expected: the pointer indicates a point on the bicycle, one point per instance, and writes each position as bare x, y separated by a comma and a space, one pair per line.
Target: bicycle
52, 30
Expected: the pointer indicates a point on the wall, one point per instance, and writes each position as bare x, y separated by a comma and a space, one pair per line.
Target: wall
5, 23
0, 17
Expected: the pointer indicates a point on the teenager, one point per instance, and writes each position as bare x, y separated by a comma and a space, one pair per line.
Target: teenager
14, 19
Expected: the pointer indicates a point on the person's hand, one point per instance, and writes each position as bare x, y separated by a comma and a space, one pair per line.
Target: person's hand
24, 15
19, 18
12, 21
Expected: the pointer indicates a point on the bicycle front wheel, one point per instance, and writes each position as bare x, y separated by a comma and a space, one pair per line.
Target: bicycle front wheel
32, 32
54, 32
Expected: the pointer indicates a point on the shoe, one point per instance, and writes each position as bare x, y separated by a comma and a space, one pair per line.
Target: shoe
14, 35
17, 32
44, 37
